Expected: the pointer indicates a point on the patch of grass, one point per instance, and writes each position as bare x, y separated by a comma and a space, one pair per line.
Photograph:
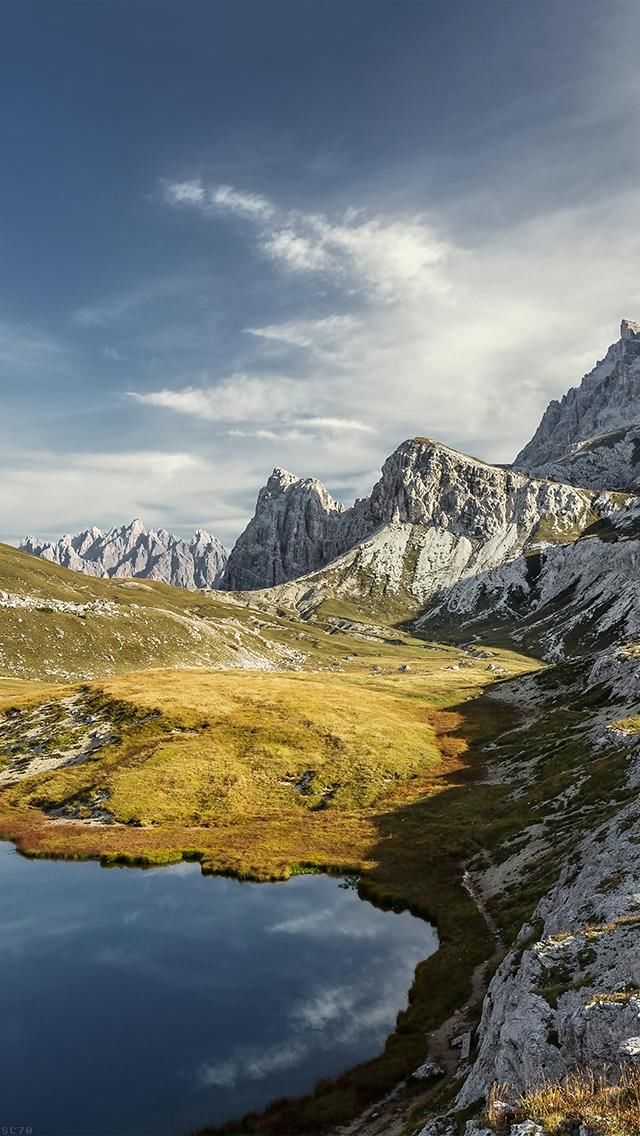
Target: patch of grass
606, 1101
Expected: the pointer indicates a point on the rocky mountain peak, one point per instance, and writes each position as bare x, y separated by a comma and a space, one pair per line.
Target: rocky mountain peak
590, 436
293, 531
278, 481
132, 550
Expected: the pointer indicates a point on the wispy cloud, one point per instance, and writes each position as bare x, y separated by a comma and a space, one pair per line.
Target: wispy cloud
45, 496
318, 334
252, 1064
236, 399
373, 254
259, 408
224, 197
27, 351
116, 308
328, 923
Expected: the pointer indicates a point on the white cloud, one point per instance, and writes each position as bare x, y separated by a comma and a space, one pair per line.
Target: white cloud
224, 197
183, 192
373, 254
45, 496
236, 399
339, 424
385, 257
262, 408
317, 334
328, 923
252, 1064
247, 204
466, 344
300, 253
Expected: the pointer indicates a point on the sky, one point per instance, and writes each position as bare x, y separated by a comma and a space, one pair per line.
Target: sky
241, 234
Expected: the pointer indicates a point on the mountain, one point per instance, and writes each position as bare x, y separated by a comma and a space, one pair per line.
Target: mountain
556, 601
434, 517
591, 436
133, 551
295, 529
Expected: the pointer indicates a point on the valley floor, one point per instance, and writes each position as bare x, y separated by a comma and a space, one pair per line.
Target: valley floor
457, 782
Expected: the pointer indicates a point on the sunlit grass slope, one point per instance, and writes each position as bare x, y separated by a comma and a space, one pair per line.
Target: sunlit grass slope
62, 625
201, 748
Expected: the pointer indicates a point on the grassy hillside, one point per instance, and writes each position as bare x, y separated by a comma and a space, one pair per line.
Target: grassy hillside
61, 625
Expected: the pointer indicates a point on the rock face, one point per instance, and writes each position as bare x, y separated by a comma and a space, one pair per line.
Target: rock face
294, 530
434, 514
592, 435
568, 993
557, 600
133, 550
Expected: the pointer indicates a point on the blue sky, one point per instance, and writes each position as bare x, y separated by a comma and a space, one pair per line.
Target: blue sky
242, 234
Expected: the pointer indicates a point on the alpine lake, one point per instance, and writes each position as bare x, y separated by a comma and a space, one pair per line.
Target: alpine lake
158, 1001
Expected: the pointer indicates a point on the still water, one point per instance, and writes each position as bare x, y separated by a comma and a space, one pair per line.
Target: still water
154, 1002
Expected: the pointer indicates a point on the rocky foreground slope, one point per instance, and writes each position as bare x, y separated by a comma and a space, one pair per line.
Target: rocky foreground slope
133, 551
567, 995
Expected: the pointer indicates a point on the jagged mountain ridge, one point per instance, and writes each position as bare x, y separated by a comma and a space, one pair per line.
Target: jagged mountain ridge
133, 551
437, 516
591, 436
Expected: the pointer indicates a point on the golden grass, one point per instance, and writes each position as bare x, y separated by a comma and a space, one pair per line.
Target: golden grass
607, 1101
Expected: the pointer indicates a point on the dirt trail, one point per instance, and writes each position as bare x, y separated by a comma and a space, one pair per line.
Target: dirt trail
388, 1116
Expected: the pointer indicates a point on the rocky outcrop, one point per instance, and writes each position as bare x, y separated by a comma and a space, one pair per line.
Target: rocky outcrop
591, 436
567, 994
135, 551
433, 515
555, 600
295, 529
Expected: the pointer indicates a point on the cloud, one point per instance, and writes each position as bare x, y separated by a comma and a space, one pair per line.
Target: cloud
183, 192
465, 342
29, 352
46, 495
339, 424
267, 409
373, 254
252, 1064
236, 399
222, 197
116, 308
316, 334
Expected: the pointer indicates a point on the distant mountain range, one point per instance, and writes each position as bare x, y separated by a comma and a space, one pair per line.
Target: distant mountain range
133, 550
